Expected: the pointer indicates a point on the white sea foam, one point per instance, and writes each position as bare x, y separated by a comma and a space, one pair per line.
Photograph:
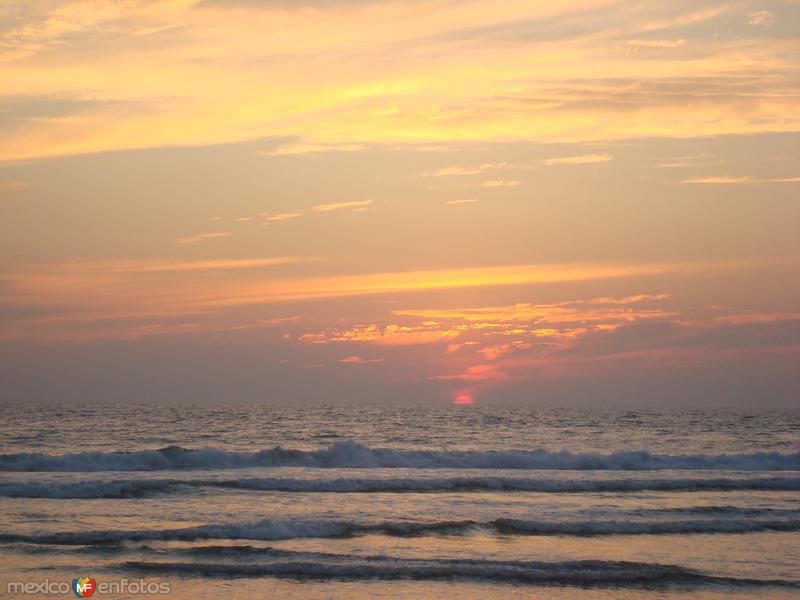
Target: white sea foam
353, 455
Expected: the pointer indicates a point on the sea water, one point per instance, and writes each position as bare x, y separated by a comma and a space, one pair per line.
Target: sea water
389, 502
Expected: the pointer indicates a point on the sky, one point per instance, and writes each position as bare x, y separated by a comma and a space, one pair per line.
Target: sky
582, 202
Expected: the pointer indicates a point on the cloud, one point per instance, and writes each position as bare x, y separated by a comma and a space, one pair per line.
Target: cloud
449, 171
684, 342
539, 319
476, 373
387, 335
764, 18
573, 310
691, 160
675, 43
72, 18
286, 4
719, 179
726, 179
73, 299
300, 148
462, 201
398, 282
515, 166
278, 321
183, 241
284, 216
341, 205
154, 30
317, 78
584, 159
494, 352
357, 360
158, 266
479, 169
12, 184
500, 183
490, 345
637, 298
739, 318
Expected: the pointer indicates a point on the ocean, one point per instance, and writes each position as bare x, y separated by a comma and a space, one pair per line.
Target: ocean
390, 502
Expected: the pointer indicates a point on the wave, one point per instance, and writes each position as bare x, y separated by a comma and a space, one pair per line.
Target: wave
132, 488
577, 573
737, 521
349, 454
137, 488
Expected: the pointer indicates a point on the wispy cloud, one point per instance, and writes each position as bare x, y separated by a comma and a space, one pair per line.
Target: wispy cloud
524, 341
299, 148
476, 373
12, 184
457, 170
84, 292
726, 179
692, 160
500, 183
383, 335
585, 89
583, 159
643, 346
193, 239
357, 360
480, 169
93, 289
496, 351
765, 18
157, 266
341, 205
121, 267
451, 171
278, 321
626, 299
653, 43
597, 310
284, 216
463, 201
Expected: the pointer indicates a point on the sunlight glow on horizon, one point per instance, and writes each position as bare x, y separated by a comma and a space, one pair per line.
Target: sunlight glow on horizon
463, 399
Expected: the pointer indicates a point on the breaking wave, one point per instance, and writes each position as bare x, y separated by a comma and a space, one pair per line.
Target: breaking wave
262, 561
136, 488
715, 520
352, 455
577, 573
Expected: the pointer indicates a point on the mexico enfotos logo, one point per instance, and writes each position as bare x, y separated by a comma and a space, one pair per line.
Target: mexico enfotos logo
85, 587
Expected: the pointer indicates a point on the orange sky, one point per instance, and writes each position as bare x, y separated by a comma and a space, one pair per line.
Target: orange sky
586, 201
